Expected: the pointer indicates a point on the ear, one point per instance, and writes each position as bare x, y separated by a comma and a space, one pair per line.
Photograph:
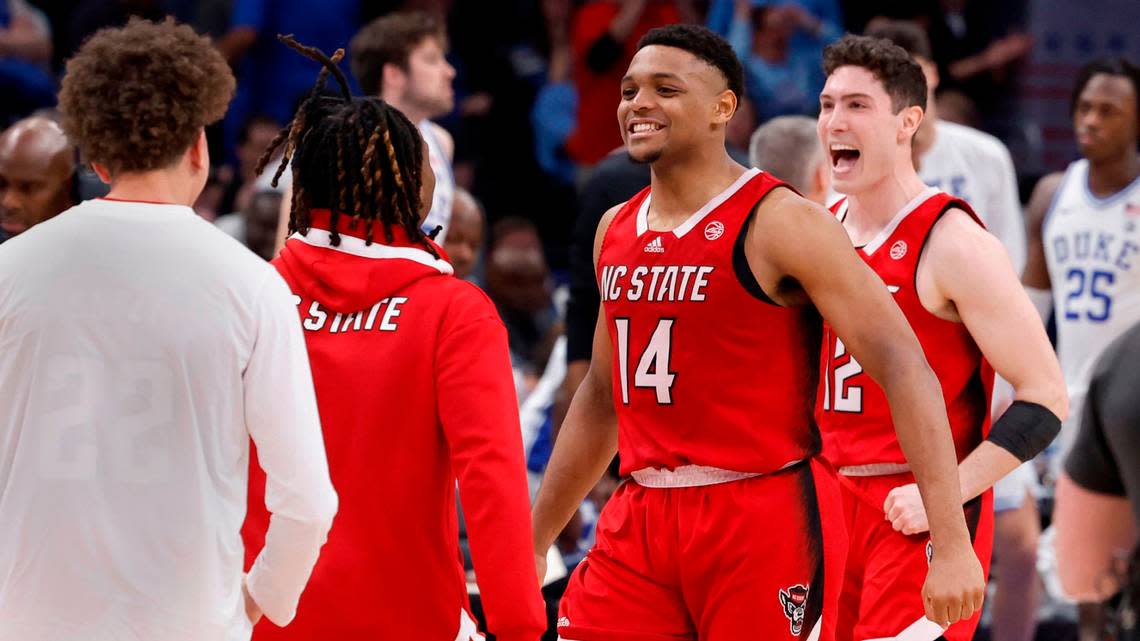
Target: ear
725, 107
200, 152
393, 79
909, 120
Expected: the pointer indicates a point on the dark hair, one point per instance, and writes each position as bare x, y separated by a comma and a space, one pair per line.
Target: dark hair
389, 40
891, 65
704, 44
135, 98
357, 157
1112, 67
905, 34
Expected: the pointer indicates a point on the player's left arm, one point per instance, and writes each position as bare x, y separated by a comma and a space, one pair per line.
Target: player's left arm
967, 267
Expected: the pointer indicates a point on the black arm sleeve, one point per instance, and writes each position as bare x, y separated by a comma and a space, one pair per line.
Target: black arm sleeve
1025, 429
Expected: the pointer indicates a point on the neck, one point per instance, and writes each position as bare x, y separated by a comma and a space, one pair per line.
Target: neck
682, 186
413, 114
159, 186
874, 207
1107, 177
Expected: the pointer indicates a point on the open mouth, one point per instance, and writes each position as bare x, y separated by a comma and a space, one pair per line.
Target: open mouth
843, 157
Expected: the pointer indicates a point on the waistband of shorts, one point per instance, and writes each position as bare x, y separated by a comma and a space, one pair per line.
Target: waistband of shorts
874, 469
694, 476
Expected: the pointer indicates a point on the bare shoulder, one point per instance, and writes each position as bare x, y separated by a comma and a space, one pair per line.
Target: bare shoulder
785, 210
1041, 198
958, 244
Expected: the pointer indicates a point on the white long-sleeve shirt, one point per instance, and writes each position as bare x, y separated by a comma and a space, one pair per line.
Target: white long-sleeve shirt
140, 348
976, 167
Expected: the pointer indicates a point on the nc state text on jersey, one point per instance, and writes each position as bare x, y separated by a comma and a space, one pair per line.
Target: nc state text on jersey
655, 284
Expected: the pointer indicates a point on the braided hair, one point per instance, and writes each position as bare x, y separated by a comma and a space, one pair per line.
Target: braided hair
357, 157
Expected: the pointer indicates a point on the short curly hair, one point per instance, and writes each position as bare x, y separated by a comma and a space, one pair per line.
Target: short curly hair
135, 98
704, 44
389, 40
891, 65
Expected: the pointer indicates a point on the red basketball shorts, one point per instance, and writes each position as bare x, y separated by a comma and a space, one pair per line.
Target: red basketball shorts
882, 587
758, 558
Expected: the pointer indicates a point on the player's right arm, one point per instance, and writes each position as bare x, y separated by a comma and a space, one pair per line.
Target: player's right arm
795, 240
281, 416
1035, 277
587, 441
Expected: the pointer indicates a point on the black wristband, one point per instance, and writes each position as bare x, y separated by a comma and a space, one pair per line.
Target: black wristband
1025, 429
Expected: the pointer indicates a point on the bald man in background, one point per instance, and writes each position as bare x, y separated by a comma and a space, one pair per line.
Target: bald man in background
788, 147
37, 173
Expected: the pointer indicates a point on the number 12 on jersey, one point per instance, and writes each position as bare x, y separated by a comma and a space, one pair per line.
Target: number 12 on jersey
837, 394
653, 370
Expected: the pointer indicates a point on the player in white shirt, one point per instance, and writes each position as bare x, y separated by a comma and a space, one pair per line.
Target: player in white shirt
140, 349
1084, 238
977, 168
1084, 228
400, 57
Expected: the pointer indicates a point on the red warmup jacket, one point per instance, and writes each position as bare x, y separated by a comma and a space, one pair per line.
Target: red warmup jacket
414, 388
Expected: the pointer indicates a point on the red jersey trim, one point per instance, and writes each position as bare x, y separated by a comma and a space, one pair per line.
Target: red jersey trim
700, 214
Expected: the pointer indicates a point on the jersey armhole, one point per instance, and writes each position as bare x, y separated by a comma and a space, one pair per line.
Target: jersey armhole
740, 265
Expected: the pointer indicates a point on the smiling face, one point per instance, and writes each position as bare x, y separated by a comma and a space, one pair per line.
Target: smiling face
861, 133
672, 102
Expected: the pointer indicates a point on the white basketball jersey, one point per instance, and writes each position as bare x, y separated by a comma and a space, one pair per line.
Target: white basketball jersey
1092, 248
440, 214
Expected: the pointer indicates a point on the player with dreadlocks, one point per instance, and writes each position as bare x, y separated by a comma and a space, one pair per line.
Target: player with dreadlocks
414, 387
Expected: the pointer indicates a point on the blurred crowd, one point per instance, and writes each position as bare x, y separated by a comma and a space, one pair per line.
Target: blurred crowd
516, 99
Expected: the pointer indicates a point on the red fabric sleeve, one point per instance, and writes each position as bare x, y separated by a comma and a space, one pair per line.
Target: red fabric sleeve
478, 409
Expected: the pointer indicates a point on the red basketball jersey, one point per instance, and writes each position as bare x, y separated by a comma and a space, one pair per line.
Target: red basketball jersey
706, 370
851, 408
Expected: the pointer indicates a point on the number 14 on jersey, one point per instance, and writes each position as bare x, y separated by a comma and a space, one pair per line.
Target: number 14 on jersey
653, 371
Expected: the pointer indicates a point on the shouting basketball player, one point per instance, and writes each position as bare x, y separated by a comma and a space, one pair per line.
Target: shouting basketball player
958, 289
703, 370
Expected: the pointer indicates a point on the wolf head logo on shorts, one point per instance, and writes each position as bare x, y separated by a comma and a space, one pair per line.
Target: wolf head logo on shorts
794, 600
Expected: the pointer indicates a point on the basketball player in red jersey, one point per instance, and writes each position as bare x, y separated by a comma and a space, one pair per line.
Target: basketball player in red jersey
703, 370
957, 287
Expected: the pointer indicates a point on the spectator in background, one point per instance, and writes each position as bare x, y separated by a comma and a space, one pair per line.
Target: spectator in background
519, 282
788, 148
37, 175
977, 168
255, 225
400, 58
826, 12
603, 38
252, 141
464, 242
25, 52
780, 79
270, 80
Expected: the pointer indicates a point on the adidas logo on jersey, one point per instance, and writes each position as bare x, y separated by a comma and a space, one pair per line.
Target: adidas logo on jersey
655, 246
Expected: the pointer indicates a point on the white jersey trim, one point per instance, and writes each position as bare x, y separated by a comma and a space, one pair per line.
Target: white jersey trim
886, 232
357, 247
1109, 200
695, 219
